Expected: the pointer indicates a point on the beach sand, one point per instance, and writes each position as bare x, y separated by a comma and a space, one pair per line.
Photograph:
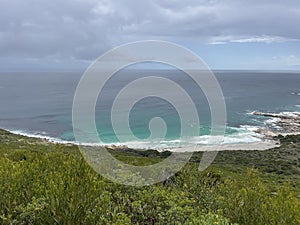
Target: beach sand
264, 145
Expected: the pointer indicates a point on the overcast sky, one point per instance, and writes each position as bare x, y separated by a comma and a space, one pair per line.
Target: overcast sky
227, 34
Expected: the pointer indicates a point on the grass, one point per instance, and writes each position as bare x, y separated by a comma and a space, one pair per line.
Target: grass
46, 183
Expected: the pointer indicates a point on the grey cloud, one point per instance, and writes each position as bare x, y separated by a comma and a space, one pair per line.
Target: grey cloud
83, 29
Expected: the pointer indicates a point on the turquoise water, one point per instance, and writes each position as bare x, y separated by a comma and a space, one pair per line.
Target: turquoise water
41, 104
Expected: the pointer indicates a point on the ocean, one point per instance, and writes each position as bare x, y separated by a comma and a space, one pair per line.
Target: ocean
40, 104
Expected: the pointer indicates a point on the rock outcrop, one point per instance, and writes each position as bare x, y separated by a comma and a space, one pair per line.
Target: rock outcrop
283, 123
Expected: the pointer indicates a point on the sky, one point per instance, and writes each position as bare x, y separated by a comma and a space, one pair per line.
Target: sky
226, 34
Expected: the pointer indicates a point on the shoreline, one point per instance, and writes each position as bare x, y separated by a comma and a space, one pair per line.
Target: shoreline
251, 146
261, 137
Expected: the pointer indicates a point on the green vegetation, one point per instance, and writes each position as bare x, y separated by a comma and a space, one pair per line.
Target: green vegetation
45, 183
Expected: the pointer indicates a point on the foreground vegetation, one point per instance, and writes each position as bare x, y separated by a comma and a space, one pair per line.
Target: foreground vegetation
45, 183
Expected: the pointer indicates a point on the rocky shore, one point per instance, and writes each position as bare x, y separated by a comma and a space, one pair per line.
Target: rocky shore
284, 123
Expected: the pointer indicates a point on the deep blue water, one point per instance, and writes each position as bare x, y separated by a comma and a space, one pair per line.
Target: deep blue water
41, 103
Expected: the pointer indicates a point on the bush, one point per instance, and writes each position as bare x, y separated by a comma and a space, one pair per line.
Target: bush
56, 186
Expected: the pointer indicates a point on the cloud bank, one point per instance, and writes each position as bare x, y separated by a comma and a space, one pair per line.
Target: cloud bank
83, 29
